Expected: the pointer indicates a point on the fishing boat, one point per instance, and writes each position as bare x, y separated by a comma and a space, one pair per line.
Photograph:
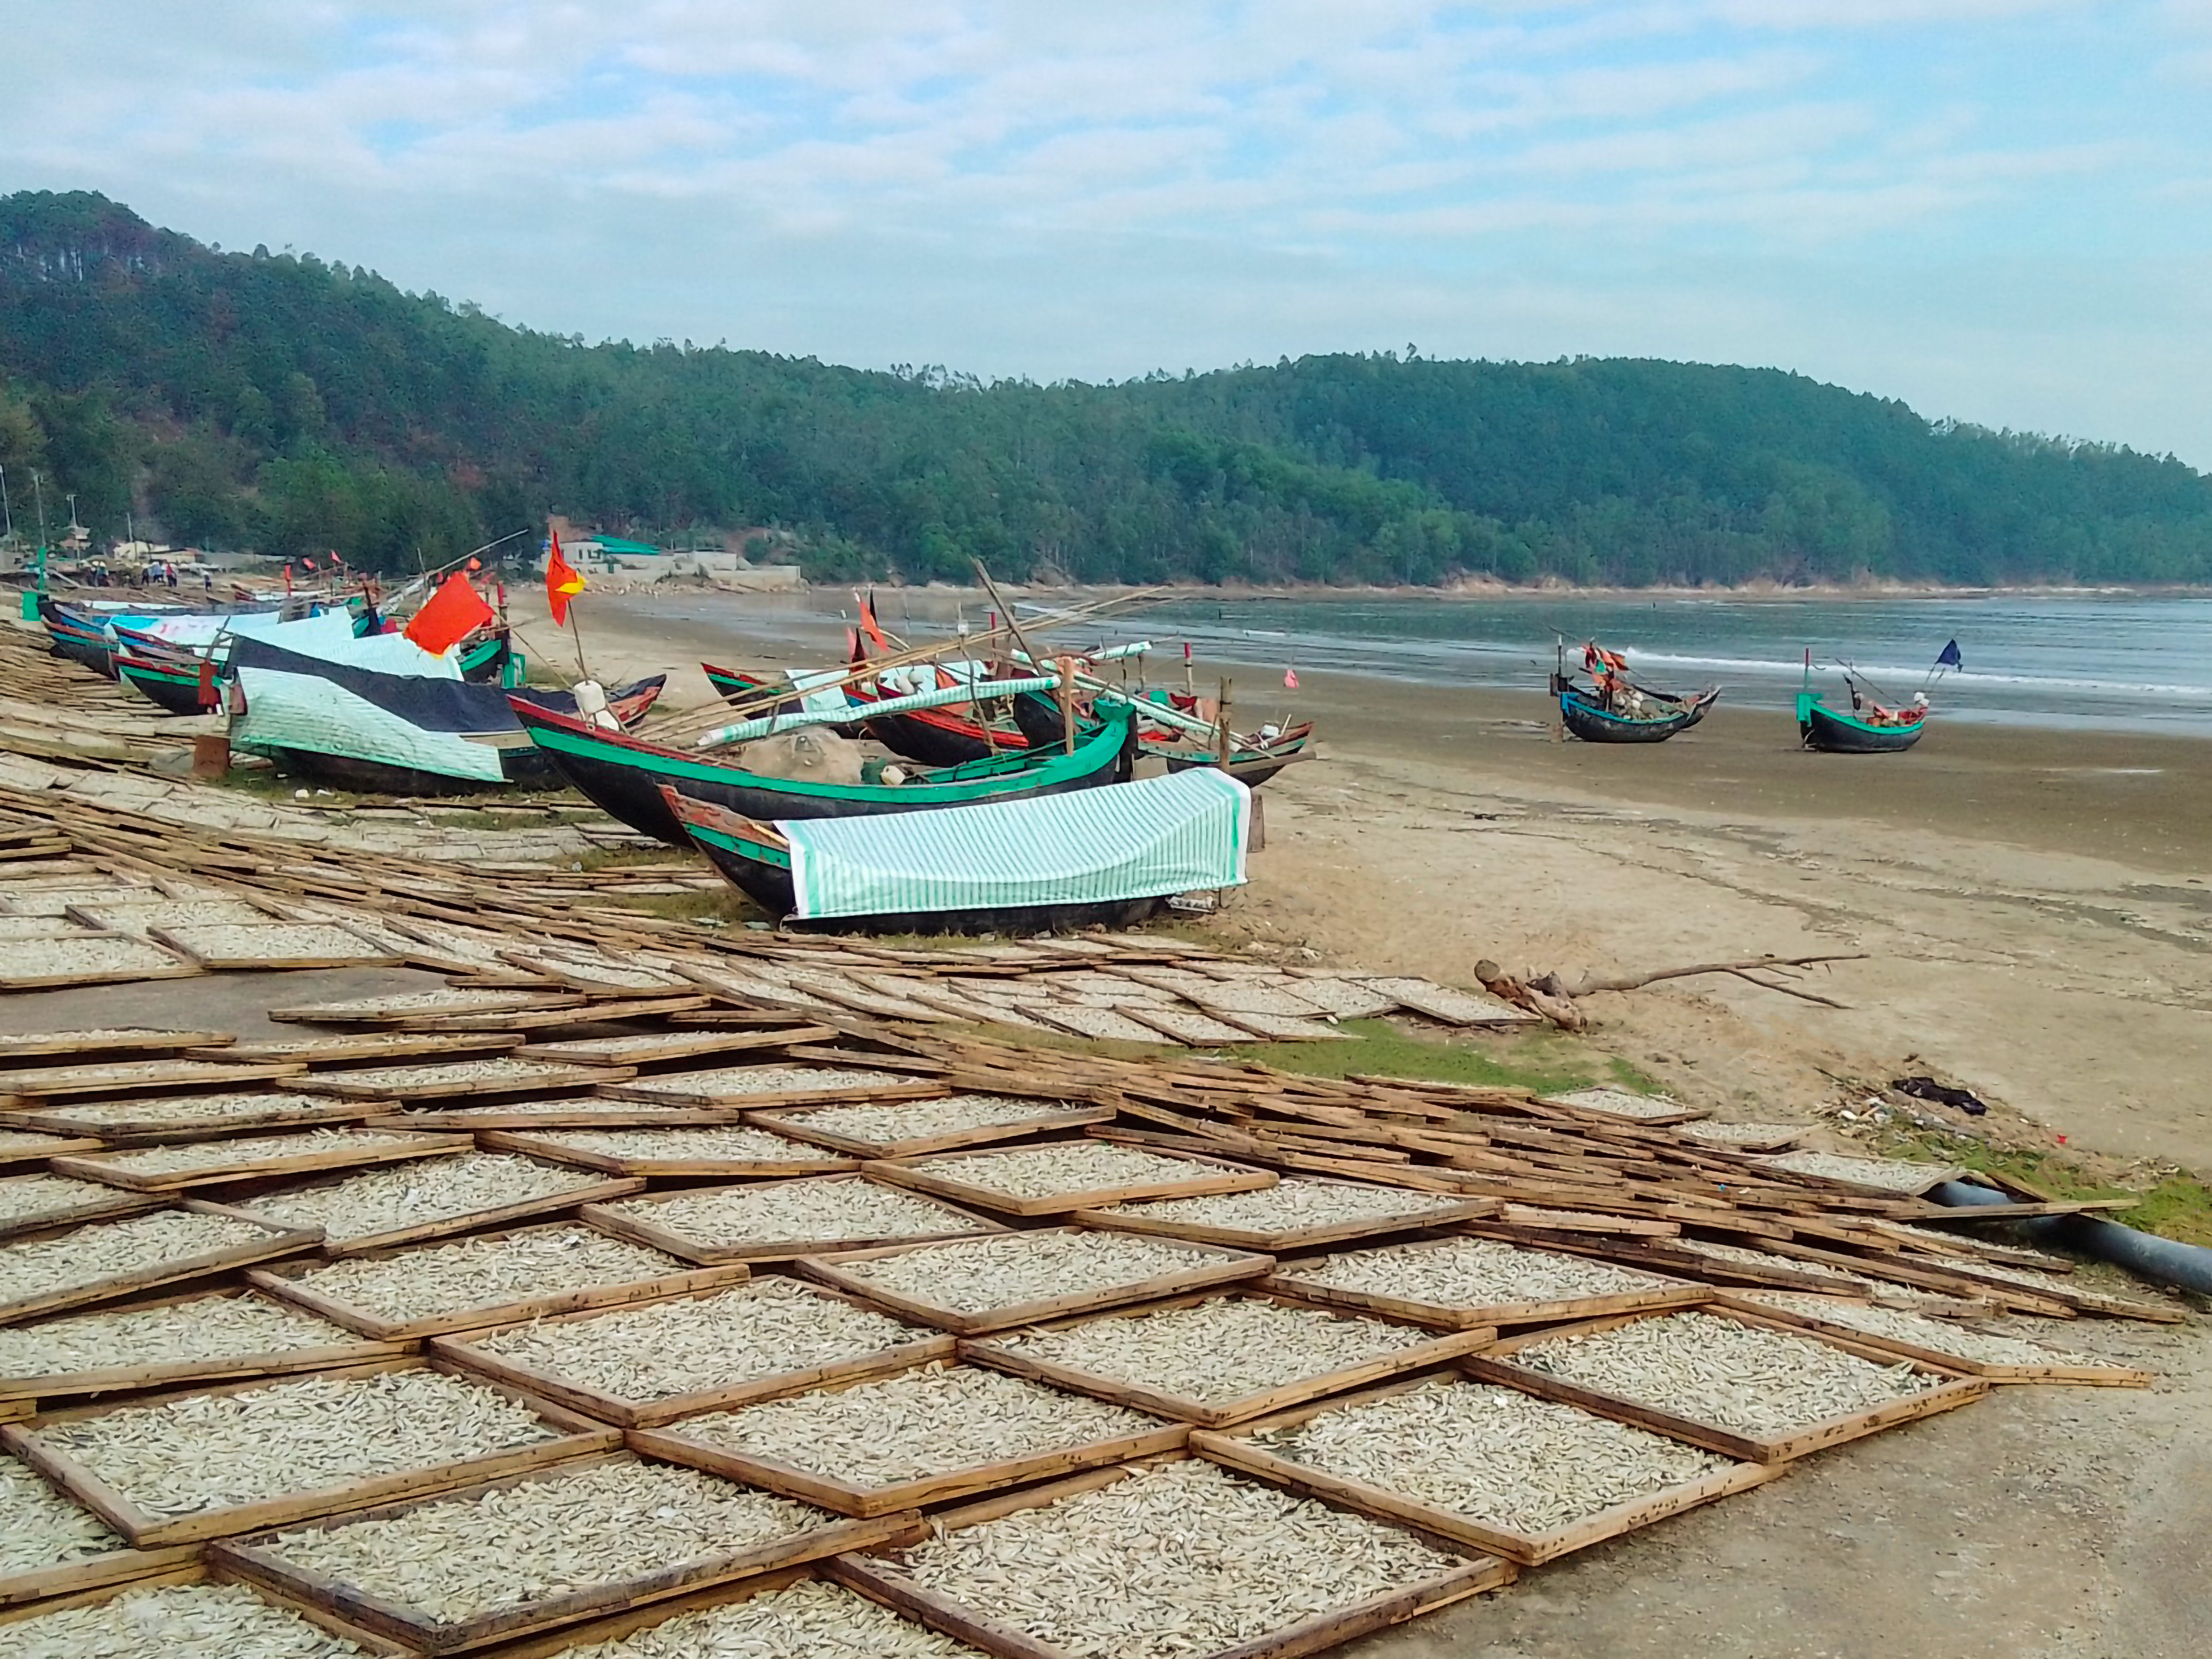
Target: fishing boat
1870, 728
1615, 709
1110, 857
1253, 759
356, 727
623, 776
182, 675
749, 685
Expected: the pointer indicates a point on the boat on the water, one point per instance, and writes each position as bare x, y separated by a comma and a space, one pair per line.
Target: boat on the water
1615, 709
1110, 857
623, 776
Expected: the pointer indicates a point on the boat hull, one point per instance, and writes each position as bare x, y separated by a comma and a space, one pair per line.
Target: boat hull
1822, 728
1591, 724
174, 686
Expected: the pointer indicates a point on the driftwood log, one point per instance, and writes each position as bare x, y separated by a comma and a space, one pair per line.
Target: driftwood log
1552, 994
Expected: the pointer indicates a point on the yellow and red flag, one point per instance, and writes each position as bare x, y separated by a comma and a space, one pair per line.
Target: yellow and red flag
562, 583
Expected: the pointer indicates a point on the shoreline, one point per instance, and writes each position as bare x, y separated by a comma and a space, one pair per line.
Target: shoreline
1464, 588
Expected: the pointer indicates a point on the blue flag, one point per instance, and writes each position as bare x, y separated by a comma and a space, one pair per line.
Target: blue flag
1951, 658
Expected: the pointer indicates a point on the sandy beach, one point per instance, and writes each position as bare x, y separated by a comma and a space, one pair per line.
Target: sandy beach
2034, 905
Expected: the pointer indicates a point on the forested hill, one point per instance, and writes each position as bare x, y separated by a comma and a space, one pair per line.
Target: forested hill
287, 404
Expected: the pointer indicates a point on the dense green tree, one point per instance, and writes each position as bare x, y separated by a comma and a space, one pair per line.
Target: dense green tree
301, 407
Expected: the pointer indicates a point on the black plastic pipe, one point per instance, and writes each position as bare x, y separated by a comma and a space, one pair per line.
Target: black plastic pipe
2161, 1261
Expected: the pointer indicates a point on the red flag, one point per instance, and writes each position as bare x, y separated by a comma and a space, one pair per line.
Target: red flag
561, 584
1290, 678
448, 616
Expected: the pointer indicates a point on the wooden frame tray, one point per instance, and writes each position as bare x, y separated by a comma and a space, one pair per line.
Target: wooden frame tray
56, 1146
586, 1112
1668, 1293
53, 1588
24, 1088
372, 1047
282, 1241
253, 1560
796, 1125
137, 1130
1283, 1240
112, 1206
385, 1082
623, 1224
185, 1569
1762, 1313
1230, 1178
145, 960
330, 952
286, 1285
669, 1090
539, 1145
468, 1221
881, 1580
1180, 1408
1232, 1449
1211, 1265
382, 1010
120, 1040
103, 1168
826, 1492
581, 1437
465, 1353
1950, 1390
604, 1011
31, 1391
666, 1046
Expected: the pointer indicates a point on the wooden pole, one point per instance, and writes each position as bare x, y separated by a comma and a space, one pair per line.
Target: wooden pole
1067, 694
1006, 611
1222, 737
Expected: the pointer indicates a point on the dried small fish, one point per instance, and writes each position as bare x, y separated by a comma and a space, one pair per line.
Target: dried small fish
815, 1212
109, 1249
929, 1421
1498, 1457
432, 1280
411, 1195
1620, 1103
195, 1452
176, 1621
1714, 1133
1743, 1378
761, 1328
914, 1120
1751, 1258
40, 1529
1472, 1273
205, 1327
214, 1155
1296, 1202
1168, 1563
1217, 1351
24, 1198
1937, 1335
727, 1142
552, 1534
1004, 1270
192, 1109
811, 1619
732, 1082
1066, 1167
1889, 1174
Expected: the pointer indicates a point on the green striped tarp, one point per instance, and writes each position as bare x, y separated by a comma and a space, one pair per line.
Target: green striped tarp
1130, 840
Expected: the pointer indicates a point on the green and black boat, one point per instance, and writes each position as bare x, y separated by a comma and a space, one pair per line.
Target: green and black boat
623, 776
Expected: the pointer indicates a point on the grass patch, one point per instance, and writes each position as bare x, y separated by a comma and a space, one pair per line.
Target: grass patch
2178, 1207
728, 906
1547, 1062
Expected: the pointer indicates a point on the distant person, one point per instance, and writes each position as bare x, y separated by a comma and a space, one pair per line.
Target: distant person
207, 580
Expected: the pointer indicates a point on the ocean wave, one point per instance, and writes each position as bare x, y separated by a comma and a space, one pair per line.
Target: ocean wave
1891, 671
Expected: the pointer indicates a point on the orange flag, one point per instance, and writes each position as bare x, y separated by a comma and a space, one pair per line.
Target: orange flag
562, 583
448, 616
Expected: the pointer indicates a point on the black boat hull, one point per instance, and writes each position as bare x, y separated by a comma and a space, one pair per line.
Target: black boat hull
1593, 725
1817, 728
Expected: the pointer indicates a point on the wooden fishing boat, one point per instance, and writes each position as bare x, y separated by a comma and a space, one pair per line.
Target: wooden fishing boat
183, 679
81, 638
1615, 709
1251, 763
176, 683
1110, 858
744, 685
484, 658
1821, 727
623, 776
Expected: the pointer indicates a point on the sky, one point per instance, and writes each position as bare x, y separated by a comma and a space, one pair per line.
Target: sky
1997, 210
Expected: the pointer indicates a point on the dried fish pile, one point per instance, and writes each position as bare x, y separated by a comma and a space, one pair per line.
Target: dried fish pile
253, 1149
1219, 1350
40, 1529
1003, 1270
1892, 1174
109, 1249
1472, 1273
197, 1452
783, 1212
23, 1198
1751, 1258
761, 1328
1175, 1561
409, 1194
94, 953
552, 1534
811, 1619
1938, 1335
731, 1142
733, 1080
177, 1621
85, 1042
1063, 1166
1619, 1102
486, 1272
1740, 1378
1714, 1133
491, 1072
1295, 1203
206, 1328
181, 1109
27, 1140
1498, 1457
929, 1421
270, 941
913, 1120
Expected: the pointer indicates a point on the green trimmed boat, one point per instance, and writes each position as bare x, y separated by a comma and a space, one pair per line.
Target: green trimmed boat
1821, 727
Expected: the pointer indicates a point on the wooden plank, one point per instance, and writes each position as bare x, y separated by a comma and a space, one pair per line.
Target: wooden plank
33, 1390
1279, 1241
58, 1586
294, 1282
259, 1561
553, 1019
803, 1126
665, 1046
101, 1203
1211, 1267
810, 1485
1234, 1448
419, 1082
146, 1123
598, 1192
111, 1168
1664, 1293
34, 1146
468, 1353
1210, 1176
880, 1579
543, 1144
614, 1627
586, 1112
1945, 1391
132, 1040
139, 1077
580, 1437
661, 1235
185, 1570
391, 1011
1798, 1319
1183, 1408
282, 1241
678, 1091
314, 1052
